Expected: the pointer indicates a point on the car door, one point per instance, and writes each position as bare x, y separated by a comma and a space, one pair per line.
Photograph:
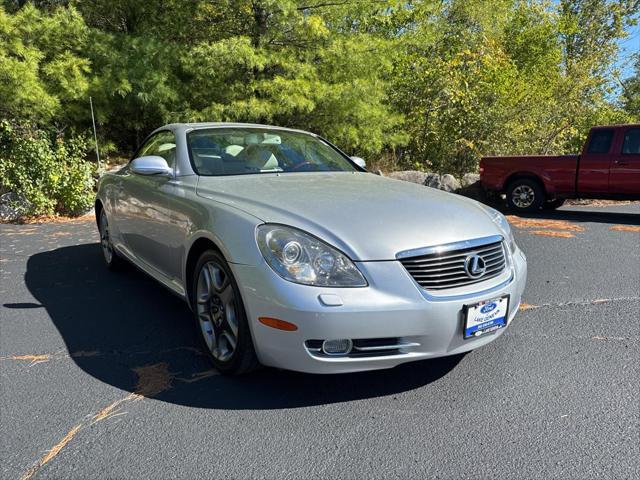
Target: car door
143, 201
593, 173
624, 178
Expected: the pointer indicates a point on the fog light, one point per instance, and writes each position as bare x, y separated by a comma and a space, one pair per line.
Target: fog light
341, 346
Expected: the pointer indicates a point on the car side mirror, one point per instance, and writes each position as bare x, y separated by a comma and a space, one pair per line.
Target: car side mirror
359, 161
150, 165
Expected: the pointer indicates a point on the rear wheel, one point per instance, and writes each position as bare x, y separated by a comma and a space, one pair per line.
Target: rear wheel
220, 316
111, 258
525, 195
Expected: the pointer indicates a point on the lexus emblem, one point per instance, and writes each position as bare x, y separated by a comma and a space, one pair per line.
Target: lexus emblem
475, 266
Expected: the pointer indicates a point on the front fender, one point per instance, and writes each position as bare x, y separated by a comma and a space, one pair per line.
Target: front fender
231, 230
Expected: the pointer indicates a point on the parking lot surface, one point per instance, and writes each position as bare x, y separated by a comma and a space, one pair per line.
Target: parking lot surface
101, 376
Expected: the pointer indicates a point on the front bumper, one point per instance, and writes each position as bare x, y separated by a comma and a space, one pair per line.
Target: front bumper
392, 306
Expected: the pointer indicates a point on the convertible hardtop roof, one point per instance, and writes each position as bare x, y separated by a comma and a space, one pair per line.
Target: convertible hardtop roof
202, 125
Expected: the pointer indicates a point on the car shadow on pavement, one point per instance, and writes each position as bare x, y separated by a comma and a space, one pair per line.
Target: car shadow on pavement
115, 323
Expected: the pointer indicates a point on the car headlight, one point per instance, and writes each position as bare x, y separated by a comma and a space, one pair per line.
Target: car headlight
301, 258
503, 224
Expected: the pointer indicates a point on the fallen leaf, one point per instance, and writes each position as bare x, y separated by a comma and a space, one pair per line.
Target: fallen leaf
625, 228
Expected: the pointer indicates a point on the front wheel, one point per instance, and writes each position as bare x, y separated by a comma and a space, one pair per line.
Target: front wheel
220, 316
525, 195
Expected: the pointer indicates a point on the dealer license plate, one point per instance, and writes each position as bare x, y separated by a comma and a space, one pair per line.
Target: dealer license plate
485, 317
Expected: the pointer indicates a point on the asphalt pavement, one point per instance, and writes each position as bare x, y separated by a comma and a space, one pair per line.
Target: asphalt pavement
101, 376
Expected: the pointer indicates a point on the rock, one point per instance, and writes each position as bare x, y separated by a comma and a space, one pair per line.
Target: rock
13, 206
413, 176
469, 186
449, 183
469, 179
432, 180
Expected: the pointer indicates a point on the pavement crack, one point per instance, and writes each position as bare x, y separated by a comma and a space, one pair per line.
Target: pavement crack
606, 338
598, 301
37, 358
51, 454
152, 380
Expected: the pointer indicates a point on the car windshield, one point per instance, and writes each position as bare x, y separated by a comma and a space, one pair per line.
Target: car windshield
239, 151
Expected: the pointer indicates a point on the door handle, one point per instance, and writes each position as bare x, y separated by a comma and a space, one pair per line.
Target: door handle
621, 162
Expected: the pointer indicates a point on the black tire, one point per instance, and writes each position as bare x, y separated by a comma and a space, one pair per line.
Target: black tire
111, 258
553, 204
525, 195
215, 329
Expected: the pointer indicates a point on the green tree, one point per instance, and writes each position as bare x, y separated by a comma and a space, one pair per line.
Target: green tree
481, 78
631, 92
43, 74
276, 61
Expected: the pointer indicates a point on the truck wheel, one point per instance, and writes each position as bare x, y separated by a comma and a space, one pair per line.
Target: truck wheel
553, 204
525, 195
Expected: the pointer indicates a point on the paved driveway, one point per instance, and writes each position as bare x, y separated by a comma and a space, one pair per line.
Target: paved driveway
101, 376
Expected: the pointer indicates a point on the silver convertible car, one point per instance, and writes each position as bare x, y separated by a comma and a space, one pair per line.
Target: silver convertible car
291, 255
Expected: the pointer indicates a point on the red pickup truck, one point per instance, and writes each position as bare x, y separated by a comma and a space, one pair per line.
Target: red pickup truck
608, 167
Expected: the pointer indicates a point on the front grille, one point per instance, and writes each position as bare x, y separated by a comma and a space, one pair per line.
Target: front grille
444, 268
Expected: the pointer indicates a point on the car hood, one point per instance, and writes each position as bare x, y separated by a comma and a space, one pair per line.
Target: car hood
366, 216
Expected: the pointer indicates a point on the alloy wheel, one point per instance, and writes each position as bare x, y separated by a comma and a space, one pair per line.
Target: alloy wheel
105, 239
216, 308
523, 196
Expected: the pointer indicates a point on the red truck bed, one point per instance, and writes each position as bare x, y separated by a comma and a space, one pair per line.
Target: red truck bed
558, 173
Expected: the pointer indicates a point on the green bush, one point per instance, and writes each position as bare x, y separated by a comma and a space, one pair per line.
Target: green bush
50, 174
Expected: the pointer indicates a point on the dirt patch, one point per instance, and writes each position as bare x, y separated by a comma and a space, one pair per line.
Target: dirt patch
552, 233
21, 231
527, 306
599, 203
542, 223
88, 217
32, 359
625, 228
153, 379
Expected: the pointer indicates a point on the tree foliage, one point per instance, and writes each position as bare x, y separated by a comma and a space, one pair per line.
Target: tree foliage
432, 84
631, 91
49, 173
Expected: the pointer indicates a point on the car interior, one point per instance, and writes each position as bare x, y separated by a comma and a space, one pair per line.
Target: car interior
229, 155
246, 152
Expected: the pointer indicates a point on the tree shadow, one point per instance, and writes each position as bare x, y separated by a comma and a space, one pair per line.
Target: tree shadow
113, 323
